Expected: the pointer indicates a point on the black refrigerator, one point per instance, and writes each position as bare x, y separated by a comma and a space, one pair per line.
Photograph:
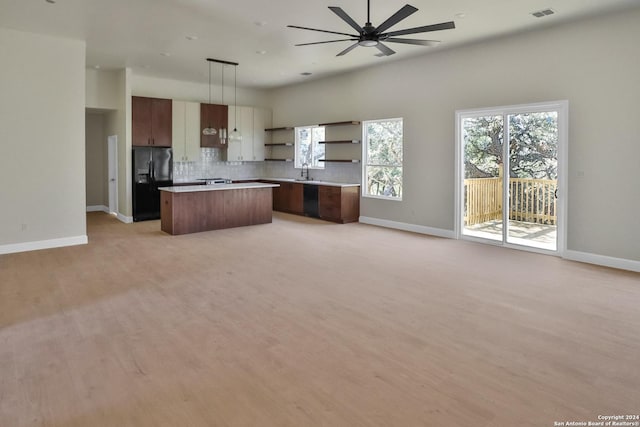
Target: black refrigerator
152, 168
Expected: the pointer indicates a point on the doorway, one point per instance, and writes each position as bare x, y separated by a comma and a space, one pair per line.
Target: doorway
510, 176
112, 144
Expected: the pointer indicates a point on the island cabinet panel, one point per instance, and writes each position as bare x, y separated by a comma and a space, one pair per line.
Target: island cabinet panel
151, 122
182, 213
339, 204
244, 207
196, 211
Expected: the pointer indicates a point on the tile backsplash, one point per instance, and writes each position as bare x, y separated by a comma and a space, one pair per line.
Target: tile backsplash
211, 165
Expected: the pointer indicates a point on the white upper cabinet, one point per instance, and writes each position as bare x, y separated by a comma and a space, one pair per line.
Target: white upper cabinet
251, 124
261, 121
186, 131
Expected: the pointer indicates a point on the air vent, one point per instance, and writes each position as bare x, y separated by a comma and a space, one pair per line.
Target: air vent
306, 73
543, 13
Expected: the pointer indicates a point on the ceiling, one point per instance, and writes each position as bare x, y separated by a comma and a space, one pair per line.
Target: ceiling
172, 38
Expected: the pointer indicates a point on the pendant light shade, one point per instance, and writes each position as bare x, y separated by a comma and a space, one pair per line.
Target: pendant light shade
209, 131
235, 135
223, 130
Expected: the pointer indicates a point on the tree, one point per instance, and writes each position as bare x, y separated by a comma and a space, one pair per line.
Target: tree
384, 157
533, 142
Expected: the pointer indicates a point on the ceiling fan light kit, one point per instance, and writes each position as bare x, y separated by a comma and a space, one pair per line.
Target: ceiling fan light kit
370, 36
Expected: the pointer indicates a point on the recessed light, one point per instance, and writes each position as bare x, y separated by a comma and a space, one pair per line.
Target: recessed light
165, 54
97, 67
460, 15
261, 52
260, 23
191, 37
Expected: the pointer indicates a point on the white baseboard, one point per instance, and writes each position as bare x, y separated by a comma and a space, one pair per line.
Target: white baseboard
105, 209
438, 232
43, 244
603, 260
125, 219
606, 261
98, 208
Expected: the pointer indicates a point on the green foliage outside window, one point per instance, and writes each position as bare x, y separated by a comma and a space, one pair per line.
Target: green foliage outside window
383, 171
308, 151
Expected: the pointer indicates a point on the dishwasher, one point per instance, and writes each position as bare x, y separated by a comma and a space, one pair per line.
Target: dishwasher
310, 200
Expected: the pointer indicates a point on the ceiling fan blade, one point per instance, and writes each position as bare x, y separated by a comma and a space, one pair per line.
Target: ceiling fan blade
328, 41
346, 18
435, 27
347, 50
403, 13
322, 31
385, 49
413, 41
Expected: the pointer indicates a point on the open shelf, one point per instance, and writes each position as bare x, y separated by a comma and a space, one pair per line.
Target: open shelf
280, 128
288, 144
346, 141
352, 122
278, 160
340, 161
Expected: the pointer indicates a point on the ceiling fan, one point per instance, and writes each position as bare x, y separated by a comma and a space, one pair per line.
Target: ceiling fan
374, 36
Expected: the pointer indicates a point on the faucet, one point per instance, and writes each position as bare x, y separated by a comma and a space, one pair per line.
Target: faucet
302, 171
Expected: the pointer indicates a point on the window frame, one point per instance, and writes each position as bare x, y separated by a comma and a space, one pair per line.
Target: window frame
296, 145
366, 165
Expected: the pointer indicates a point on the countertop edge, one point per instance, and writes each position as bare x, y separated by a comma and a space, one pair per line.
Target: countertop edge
217, 187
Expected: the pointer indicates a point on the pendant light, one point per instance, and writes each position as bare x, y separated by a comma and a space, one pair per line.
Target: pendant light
209, 131
235, 135
223, 129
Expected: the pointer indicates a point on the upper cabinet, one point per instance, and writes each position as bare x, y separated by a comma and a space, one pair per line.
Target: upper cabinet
151, 122
214, 116
251, 123
186, 131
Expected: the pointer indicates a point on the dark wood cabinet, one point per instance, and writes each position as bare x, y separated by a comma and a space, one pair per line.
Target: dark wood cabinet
336, 204
288, 197
151, 122
339, 204
215, 116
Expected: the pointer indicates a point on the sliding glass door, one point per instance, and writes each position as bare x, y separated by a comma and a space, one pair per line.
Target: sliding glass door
508, 174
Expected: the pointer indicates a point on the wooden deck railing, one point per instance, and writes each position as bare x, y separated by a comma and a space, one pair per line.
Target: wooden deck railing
532, 200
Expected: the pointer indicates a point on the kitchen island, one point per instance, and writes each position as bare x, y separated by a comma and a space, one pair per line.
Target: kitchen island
196, 208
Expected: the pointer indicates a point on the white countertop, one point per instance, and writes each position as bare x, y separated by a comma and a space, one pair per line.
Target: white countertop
313, 182
214, 187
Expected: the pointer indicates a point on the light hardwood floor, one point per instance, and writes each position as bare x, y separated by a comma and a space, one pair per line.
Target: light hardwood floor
308, 323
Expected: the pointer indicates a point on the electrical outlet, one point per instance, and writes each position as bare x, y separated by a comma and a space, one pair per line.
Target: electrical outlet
23, 227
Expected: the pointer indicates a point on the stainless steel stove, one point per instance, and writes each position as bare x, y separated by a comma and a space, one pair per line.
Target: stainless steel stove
209, 181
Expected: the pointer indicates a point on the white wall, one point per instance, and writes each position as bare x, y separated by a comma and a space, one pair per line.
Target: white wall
196, 92
42, 140
96, 160
593, 63
109, 92
102, 89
